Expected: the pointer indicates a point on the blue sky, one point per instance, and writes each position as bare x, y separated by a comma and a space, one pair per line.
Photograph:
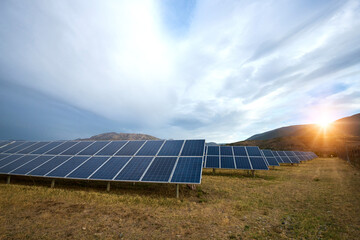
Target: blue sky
219, 70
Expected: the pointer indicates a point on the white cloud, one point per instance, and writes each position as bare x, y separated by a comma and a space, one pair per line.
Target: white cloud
241, 68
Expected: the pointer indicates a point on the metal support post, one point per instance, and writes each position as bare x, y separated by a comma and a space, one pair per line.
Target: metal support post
8, 180
253, 173
108, 187
52, 183
213, 170
177, 190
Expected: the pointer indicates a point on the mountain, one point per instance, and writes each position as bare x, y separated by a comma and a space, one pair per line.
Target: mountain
348, 126
121, 136
309, 137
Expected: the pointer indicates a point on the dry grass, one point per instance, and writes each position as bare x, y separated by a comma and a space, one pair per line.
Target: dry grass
317, 199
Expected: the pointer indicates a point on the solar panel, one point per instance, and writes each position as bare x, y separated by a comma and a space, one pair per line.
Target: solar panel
150, 148
76, 148
242, 163
188, 170
9, 159
134, 170
292, 157
212, 162
62, 147
10, 146
111, 148
226, 151
227, 162
20, 147
172, 161
88, 167
235, 157
43, 169
193, 148
109, 170
31, 165
93, 148
3, 143
284, 157
160, 169
270, 158
46, 148
17, 163
67, 166
213, 150
130, 148
171, 148
33, 147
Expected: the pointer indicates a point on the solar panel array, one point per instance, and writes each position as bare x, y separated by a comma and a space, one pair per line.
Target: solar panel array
235, 157
161, 161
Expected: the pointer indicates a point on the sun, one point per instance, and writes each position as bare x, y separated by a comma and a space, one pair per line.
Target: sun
324, 122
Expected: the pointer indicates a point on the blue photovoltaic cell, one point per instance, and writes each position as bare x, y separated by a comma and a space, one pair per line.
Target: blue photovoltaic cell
171, 148
227, 162
293, 159
9, 159
134, 169
283, 157
61, 148
111, 148
277, 156
3, 156
193, 148
17, 163
48, 166
267, 153
130, 148
253, 151
46, 148
3, 143
20, 147
109, 170
85, 170
212, 161
213, 150
10, 146
150, 148
242, 163
68, 166
31, 165
239, 151
281, 153
76, 148
93, 148
258, 163
188, 170
160, 169
272, 161
33, 147
226, 150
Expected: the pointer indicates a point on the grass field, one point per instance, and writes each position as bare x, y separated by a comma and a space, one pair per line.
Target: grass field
319, 199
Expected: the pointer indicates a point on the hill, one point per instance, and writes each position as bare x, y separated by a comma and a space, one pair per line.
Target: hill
349, 126
310, 137
121, 136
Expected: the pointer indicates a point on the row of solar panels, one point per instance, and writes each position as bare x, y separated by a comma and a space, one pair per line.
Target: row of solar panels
250, 157
172, 161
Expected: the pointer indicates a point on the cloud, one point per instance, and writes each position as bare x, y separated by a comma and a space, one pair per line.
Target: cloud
211, 69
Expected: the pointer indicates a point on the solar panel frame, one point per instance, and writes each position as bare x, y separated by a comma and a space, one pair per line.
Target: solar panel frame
55, 155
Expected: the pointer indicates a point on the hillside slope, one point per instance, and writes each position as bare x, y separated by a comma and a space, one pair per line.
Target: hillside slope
121, 136
348, 126
310, 137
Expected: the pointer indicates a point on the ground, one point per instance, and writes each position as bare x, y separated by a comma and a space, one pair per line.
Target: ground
319, 199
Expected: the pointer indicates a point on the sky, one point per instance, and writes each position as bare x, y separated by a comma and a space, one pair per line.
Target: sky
216, 70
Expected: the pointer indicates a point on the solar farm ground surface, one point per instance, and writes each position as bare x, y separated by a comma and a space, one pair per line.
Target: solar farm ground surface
319, 199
